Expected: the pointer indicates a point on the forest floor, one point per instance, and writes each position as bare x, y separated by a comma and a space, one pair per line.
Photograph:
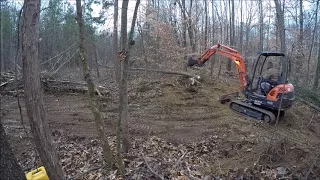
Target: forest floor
177, 131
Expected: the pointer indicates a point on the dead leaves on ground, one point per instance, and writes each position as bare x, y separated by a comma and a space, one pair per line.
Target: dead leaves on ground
154, 158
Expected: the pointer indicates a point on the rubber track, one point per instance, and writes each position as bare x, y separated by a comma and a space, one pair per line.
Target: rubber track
254, 108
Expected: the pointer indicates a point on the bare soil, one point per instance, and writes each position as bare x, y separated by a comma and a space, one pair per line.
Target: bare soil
166, 107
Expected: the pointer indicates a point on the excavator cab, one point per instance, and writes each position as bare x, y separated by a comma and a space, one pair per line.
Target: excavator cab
269, 70
270, 83
267, 90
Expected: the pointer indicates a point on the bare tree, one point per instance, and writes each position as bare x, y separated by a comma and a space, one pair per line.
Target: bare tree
232, 31
184, 25
126, 47
280, 24
213, 59
247, 28
32, 89
190, 28
123, 94
300, 54
301, 22
117, 69
312, 42
206, 24
188, 15
107, 154
241, 28
261, 28
317, 74
96, 58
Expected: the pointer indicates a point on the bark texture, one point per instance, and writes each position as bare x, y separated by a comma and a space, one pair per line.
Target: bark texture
123, 86
9, 167
317, 75
33, 94
117, 71
91, 92
280, 25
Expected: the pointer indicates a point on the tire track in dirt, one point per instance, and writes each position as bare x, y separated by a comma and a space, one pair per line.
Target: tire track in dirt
177, 123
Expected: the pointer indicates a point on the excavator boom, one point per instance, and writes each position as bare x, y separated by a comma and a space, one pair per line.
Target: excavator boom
230, 53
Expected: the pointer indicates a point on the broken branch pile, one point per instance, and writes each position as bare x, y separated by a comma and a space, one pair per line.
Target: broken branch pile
8, 85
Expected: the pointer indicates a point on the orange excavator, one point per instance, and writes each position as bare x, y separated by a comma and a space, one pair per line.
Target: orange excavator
263, 98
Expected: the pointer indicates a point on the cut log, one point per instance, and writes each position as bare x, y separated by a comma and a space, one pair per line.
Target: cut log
54, 86
309, 104
189, 75
10, 85
167, 72
68, 86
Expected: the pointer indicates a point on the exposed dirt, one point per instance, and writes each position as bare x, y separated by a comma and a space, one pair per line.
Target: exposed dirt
167, 107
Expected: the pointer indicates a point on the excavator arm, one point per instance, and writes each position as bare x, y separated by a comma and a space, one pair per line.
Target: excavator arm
229, 53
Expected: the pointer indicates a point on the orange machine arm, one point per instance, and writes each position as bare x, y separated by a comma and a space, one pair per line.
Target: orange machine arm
230, 53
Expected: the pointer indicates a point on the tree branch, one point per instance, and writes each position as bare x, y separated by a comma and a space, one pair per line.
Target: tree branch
73, 45
309, 104
156, 174
160, 71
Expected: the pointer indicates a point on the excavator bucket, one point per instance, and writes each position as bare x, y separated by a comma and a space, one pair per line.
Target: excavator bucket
228, 97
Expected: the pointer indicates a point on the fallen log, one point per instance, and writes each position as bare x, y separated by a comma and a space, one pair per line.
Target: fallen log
10, 85
309, 104
50, 85
167, 72
68, 86
189, 75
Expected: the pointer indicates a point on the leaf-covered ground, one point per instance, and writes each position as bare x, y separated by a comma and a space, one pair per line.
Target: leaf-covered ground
177, 132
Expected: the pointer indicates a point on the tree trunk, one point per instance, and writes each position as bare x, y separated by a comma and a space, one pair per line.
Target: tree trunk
301, 23
117, 70
196, 28
9, 167
261, 26
280, 23
312, 41
184, 25
189, 23
317, 75
213, 59
232, 32
126, 47
241, 28
300, 53
144, 53
96, 58
191, 30
32, 89
206, 25
123, 94
268, 34
91, 92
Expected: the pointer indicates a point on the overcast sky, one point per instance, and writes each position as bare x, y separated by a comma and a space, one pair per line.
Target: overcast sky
97, 9
109, 13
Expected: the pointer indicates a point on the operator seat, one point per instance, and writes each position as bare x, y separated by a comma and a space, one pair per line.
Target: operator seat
266, 84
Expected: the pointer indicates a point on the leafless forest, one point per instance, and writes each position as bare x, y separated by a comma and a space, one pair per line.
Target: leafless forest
101, 89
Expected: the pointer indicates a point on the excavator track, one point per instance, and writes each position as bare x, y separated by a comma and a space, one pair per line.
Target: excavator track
247, 109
